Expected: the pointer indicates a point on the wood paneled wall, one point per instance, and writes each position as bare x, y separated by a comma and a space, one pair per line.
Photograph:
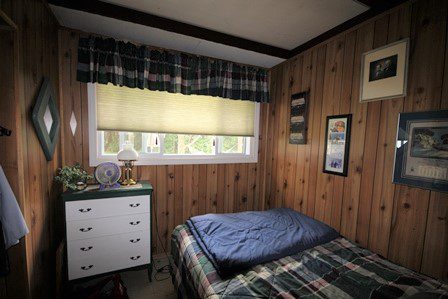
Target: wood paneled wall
181, 191
10, 159
407, 225
34, 56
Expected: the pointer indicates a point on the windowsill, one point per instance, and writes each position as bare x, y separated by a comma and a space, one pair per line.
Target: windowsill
181, 160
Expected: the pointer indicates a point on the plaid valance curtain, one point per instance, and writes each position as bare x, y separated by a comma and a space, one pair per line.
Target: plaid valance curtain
125, 64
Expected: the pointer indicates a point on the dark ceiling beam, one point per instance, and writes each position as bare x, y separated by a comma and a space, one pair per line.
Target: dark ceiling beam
147, 19
376, 7
380, 4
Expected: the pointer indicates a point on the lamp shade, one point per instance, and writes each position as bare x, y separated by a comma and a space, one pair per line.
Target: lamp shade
128, 153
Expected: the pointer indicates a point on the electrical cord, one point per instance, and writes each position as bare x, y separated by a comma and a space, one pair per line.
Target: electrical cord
165, 269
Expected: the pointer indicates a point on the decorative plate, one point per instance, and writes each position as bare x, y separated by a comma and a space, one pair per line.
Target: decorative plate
108, 174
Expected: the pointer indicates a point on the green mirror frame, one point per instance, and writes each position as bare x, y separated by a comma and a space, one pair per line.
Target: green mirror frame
46, 98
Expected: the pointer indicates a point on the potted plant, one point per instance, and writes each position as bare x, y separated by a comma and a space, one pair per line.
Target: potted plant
73, 177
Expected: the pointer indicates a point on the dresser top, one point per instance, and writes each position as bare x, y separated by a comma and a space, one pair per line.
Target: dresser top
93, 192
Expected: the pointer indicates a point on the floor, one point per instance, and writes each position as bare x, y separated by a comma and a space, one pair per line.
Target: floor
139, 286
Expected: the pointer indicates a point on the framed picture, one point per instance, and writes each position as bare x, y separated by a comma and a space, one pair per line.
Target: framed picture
46, 119
337, 144
421, 153
297, 128
384, 72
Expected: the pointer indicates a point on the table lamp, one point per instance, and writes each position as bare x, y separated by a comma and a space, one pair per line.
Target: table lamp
128, 155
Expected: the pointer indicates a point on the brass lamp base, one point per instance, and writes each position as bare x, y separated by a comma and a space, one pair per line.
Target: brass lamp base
127, 174
128, 182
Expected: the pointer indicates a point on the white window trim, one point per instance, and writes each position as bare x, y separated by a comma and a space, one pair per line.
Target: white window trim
95, 156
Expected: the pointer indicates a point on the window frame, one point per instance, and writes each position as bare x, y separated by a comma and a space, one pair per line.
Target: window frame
96, 157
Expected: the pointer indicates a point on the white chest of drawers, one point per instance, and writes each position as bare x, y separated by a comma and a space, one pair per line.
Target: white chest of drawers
107, 231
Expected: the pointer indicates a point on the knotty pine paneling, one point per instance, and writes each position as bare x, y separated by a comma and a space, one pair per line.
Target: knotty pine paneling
428, 30
365, 206
407, 225
11, 160
34, 56
181, 191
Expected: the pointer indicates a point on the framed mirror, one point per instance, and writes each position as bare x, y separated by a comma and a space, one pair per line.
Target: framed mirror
46, 118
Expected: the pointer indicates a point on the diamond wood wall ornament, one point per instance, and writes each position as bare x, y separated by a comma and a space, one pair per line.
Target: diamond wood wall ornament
73, 123
46, 118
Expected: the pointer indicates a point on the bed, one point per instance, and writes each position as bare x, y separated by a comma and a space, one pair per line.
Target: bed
335, 269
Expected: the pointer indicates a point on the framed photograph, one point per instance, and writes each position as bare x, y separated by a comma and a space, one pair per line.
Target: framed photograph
337, 144
297, 128
384, 72
421, 153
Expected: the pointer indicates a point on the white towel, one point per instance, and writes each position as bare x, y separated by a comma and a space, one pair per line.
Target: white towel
14, 226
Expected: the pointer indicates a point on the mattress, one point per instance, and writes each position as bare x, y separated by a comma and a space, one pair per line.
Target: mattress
337, 269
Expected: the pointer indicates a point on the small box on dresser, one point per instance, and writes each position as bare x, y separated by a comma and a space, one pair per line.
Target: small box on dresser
108, 231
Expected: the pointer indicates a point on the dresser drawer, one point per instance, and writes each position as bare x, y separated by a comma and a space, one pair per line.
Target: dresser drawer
106, 207
111, 246
103, 263
93, 228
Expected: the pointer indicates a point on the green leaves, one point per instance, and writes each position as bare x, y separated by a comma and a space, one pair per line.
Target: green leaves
68, 176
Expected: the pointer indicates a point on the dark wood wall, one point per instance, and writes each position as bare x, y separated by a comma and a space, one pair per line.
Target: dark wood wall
33, 56
10, 159
181, 191
407, 225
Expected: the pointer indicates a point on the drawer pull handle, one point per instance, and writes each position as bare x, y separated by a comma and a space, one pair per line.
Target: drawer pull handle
134, 258
85, 210
86, 248
134, 205
134, 222
134, 240
85, 229
87, 267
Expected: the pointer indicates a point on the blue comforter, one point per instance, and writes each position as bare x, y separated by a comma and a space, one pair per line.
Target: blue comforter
236, 241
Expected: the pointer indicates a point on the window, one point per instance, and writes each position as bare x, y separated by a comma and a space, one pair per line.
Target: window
168, 147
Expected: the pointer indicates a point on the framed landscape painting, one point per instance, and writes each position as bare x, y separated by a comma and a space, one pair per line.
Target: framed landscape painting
421, 153
337, 144
384, 72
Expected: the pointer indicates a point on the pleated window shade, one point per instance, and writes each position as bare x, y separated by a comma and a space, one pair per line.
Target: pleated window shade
135, 110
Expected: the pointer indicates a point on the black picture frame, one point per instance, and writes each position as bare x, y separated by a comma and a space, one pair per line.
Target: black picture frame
298, 118
418, 165
47, 132
337, 143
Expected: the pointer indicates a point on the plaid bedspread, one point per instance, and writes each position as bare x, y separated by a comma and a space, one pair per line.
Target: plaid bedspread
338, 269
